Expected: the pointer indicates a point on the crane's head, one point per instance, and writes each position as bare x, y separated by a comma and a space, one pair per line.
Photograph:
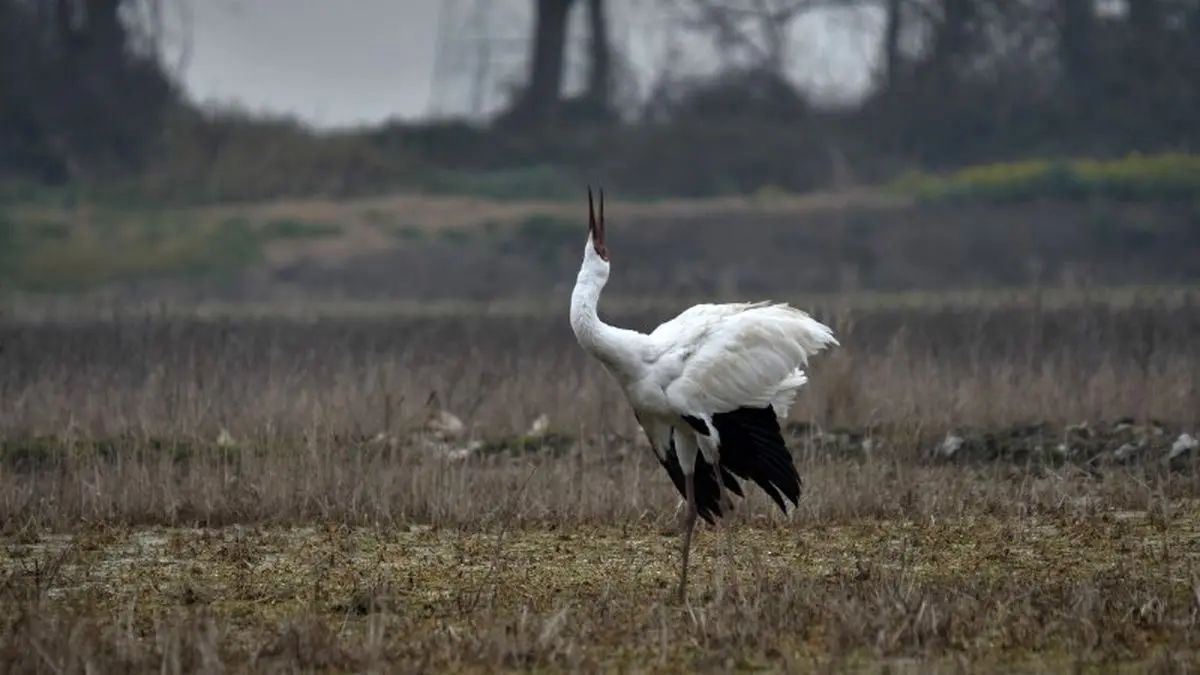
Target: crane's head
596, 228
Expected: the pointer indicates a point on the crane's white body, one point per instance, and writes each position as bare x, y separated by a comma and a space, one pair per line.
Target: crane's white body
710, 360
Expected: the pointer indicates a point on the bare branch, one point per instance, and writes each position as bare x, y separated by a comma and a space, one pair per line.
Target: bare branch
759, 27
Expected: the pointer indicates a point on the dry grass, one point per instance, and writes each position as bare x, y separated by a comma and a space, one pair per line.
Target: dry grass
436, 212
270, 380
89, 245
470, 249
1045, 591
326, 533
90, 308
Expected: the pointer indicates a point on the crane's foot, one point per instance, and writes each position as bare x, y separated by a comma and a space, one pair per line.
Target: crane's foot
679, 598
679, 521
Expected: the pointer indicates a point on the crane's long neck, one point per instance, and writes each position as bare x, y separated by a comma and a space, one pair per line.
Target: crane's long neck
617, 348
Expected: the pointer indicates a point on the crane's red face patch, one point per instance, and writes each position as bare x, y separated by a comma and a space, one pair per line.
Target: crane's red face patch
596, 225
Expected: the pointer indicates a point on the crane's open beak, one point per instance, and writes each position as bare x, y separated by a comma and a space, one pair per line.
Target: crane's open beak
596, 225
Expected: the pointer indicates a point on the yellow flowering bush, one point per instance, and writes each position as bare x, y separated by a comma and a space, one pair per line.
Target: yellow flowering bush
1135, 177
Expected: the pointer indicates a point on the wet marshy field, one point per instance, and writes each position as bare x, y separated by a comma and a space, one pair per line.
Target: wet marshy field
994, 487
943, 366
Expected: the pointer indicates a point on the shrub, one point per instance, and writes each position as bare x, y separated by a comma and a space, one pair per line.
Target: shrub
535, 182
1136, 177
53, 256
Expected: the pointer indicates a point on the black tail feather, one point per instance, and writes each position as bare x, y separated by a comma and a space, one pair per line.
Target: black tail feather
752, 448
708, 504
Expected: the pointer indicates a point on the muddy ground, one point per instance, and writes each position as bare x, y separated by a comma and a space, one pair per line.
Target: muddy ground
1040, 593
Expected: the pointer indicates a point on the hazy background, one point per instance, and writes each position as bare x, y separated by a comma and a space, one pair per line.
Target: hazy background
327, 63
336, 64
261, 150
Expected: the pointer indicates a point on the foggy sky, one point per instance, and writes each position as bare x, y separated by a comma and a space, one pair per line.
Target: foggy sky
342, 63
330, 63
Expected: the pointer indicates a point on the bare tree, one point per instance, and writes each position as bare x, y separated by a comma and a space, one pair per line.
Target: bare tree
89, 92
600, 61
889, 54
752, 33
748, 34
1076, 25
540, 101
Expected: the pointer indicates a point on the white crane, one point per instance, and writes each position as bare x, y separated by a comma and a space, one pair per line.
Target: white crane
708, 387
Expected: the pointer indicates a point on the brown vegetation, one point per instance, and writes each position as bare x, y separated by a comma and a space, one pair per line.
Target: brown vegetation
413, 248
766, 251
208, 495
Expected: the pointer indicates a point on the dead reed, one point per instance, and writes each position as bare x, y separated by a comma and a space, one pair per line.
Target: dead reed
333, 535
282, 380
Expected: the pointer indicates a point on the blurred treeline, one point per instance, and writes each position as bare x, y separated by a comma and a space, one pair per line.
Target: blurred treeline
88, 99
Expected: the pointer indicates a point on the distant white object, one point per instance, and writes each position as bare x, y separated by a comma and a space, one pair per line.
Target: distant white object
1125, 453
950, 445
460, 453
539, 427
225, 439
445, 424
1185, 443
708, 387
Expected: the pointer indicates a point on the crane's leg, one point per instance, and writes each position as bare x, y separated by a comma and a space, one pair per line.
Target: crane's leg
689, 524
722, 491
726, 508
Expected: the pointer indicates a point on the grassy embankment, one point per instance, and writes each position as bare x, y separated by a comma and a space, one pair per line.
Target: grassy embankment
65, 244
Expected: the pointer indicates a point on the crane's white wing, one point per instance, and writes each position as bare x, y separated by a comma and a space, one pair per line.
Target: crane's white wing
693, 322
785, 393
745, 358
692, 325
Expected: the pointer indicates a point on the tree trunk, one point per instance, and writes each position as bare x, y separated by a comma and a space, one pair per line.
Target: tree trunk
543, 91
1145, 16
599, 87
954, 33
104, 27
950, 45
94, 25
1075, 47
1145, 51
891, 43
1146, 21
